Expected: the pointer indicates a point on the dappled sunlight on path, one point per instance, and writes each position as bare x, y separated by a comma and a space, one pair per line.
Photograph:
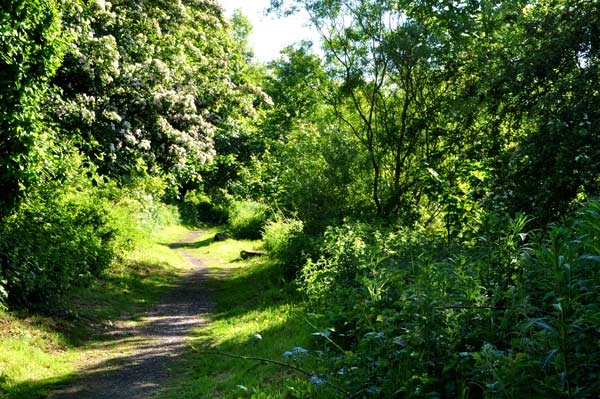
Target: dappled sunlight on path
143, 350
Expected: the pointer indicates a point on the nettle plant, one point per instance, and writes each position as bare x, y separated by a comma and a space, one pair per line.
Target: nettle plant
508, 314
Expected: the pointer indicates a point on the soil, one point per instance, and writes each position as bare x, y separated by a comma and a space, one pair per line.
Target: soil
143, 351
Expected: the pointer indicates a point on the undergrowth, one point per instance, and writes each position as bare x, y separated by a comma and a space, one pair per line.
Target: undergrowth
505, 314
247, 219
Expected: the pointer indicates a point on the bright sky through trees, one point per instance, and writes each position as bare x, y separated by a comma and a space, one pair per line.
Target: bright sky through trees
270, 34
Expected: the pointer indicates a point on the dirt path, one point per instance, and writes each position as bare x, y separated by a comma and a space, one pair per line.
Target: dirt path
145, 349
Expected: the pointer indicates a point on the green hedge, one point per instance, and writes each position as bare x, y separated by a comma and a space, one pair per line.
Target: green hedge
57, 238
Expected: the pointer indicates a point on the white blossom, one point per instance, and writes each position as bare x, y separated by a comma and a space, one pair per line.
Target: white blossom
101, 4
145, 145
112, 116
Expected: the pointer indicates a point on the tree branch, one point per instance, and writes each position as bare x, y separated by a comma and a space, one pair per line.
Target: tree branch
277, 363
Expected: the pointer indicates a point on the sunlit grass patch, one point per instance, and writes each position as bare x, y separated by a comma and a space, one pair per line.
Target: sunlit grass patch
224, 255
30, 352
37, 352
257, 315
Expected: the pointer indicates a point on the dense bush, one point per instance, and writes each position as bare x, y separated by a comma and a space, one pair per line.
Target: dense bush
247, 219
286, 242
138, 210
64, 234
198, 207
504, 314
58, 237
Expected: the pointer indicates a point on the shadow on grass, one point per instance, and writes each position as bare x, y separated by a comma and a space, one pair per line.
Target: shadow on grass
191, 245
90, 314
148, 349
267, 288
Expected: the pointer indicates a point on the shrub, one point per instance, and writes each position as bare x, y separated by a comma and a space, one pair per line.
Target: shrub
285, 241
503, 315
63, 235
58, 237
405, 311
137, 210
247, 219
197, 207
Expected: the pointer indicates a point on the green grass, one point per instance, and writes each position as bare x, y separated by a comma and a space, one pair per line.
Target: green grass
251, 298
32, 350
38, 352
41, 352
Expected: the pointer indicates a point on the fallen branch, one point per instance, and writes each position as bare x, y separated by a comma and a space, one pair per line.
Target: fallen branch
245, 254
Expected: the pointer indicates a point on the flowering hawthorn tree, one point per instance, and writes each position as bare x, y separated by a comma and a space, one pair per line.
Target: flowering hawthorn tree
144, 85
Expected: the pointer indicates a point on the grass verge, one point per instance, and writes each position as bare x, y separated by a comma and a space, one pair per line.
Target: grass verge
41, 351
257, 315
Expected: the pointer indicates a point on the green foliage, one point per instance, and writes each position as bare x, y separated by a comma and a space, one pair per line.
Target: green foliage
387, 89
532, 79
247, 219
285, 240
559, 338
30, 52
197, 207
502, 318
137, 211
64, 235
433, 118
59, 237
293, 83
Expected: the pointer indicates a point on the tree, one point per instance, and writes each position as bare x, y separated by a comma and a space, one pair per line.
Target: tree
295, 84
389, 79
236, 137
549, 81
145, 85
30, 51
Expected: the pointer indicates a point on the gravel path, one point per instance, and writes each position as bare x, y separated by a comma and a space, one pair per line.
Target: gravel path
146, 349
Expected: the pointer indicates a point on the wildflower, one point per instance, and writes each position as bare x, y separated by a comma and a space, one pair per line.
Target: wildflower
299, 351
316, 380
